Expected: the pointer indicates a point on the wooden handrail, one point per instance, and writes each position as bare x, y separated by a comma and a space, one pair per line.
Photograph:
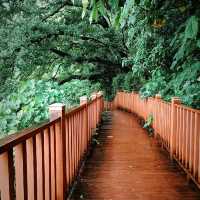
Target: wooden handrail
12, 140
42, 162
18, 137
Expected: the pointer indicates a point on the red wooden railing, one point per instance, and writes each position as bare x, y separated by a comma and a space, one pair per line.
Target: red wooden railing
177, 127
42, 162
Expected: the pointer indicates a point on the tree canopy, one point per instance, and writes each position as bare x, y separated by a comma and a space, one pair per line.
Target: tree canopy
147, 46
49, 39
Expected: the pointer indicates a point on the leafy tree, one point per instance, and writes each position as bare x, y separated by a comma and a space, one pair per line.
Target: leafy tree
148, 46
162, 38
43, 38
28, 105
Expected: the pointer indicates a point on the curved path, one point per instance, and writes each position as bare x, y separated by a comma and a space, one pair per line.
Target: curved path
129, 165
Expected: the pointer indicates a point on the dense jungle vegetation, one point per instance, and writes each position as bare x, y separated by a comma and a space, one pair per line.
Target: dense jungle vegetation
59, 50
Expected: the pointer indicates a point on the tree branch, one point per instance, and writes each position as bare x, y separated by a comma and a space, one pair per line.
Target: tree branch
85, 60
64, 4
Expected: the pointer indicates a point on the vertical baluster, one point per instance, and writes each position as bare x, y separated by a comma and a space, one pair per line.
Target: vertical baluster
184, 135
89, 123
67, 154
170, 122
166, 123
73, 145
173, 129
49, 158
30, 170
185, 147
76, 131
187, 140
25, 170
83, 100
191, 141
181, 133
43, 167
81, 136
178, 132
86, 122
39, 166
196, 144
35, 166
59, 162
53, 162
75, 139
7, 175
19, 169
58, 110
70, 149
46, 164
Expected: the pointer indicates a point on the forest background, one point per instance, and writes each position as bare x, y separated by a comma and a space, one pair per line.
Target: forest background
58, 50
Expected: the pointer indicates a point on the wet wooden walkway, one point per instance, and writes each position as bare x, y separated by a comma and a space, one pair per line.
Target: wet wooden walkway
129, 165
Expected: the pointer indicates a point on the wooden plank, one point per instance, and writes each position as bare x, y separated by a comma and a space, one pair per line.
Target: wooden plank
30, 169
70, 150
46, 165
52, 163
35, 166
59, 162
64, 154
187, 139
4, 175
11, 174
50, 188
196, 146
25, 170
191, 151
39, 170
67, 154
19, 169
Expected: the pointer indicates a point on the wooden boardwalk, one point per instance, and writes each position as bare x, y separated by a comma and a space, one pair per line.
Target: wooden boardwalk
129, 165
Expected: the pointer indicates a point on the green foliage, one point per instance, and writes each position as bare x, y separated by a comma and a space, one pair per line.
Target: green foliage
163, 42
149, 46
155, 85
185, 84
129, 82
149, 121
191, 29
186, 41
118, 82
28, 105
148, 124
43, 39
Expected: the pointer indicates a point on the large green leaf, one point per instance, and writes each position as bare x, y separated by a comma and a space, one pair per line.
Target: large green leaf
94, 14
85, 4
191, 27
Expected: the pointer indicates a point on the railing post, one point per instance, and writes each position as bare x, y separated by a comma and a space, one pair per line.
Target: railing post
93, 97
158, 97
58, 110
99, 106
174, 101
84, 100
